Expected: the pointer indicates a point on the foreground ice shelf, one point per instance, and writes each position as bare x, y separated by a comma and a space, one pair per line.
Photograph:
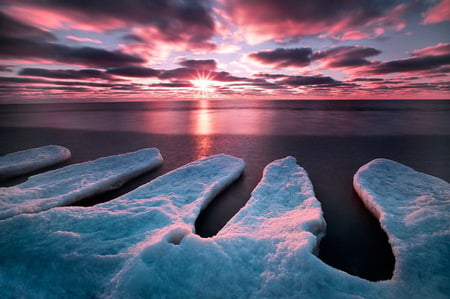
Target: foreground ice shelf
74, 182
142, 244
29, 160
414, 210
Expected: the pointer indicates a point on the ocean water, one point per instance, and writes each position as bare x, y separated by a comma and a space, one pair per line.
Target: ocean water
330, 139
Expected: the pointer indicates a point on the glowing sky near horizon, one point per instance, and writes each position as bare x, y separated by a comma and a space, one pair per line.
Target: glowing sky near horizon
130, 49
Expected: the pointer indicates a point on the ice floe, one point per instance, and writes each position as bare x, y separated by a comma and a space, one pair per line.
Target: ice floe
260, 252
143, 244
414, 210
77, 251
74, 182
29, 160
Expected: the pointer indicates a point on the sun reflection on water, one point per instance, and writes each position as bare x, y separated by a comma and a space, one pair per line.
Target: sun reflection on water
203, 129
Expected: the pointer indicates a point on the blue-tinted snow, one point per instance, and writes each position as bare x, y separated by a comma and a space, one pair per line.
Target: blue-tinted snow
74, 182
82, 251
142, 244
414, 210
29, 160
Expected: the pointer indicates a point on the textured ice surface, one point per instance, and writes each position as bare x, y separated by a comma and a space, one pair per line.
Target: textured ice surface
26, 161
84, 251
74, 182
264, 251
414, 210
142, 244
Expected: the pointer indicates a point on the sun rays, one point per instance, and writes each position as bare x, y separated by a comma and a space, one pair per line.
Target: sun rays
203, 83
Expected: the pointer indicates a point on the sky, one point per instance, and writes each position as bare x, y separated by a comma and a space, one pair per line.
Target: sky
262, 49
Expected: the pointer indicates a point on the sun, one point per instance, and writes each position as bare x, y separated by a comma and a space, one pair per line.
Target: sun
203, 83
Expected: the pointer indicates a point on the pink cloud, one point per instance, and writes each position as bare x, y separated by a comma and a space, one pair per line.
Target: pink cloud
168, 17
359, 35
83, 39
354, 35
156, 47
55, 19
437, 13
439, 49
284, 20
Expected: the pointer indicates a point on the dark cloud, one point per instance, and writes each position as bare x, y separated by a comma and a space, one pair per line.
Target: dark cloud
179, 73
66, 74
412, 64
348, 63
133, 38
134, 71
6, 68
21, 80
347, 51
174, 84
431, 86
30, 49
295, 81
346, 56
17, 90
367, 80
337, 57
189, 21
205, 64
16, 80
227, 77
258, 83
14, 28
434, 59
281, 57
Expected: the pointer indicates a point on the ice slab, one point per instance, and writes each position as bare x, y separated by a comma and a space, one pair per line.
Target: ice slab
266, 250
414, 210
142, 244
74, 182
29, 160
77, 251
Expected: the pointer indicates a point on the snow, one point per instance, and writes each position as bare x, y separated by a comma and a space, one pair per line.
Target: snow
74, 182
253, 255
29, 160
78, 251
414, 210
143, 244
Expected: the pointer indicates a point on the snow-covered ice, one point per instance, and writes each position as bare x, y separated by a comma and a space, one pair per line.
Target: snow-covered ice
29, 160
262, 252
74, 182
81, 251
142, 244
414, 210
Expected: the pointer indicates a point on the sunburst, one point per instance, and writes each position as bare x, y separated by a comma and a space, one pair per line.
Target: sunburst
203, 82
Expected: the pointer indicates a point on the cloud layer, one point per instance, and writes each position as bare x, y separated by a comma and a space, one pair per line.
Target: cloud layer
260, 48
285, 20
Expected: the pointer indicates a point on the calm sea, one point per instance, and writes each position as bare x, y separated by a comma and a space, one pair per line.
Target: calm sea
330, 139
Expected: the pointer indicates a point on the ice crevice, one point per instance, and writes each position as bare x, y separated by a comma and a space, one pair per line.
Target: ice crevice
142, 244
